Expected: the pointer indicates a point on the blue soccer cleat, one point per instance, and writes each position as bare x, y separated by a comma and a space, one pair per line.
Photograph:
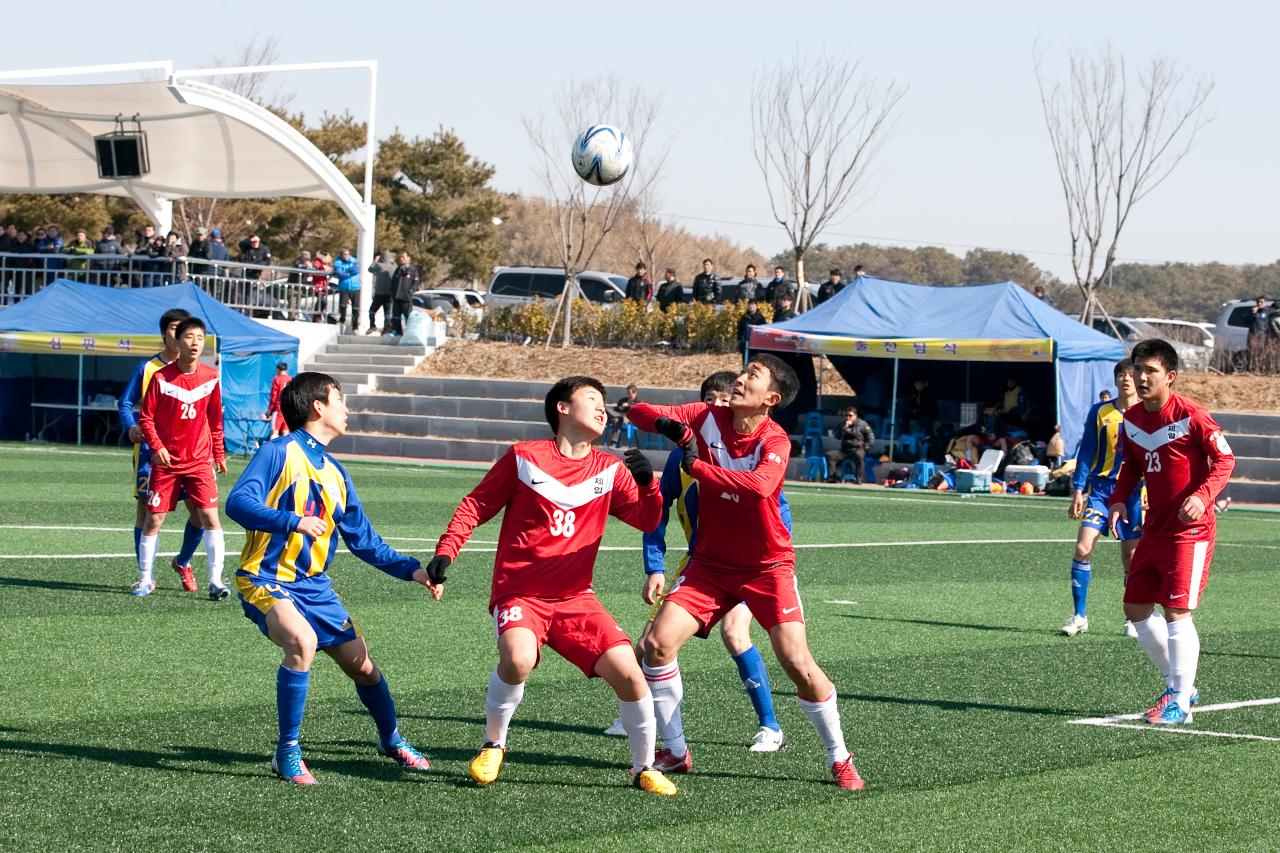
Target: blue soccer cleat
402, 752
290, 767
143, 588
1166, 698
1172, 715
217, 592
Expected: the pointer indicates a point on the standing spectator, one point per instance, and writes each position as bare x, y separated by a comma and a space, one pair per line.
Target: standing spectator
777, 287
218, 250
320, 285
706, 286
829, 288
199, 248
785, 311
748, 286
670, 292
855, 437
858, 271
253, 251
921, 408
109, 247
1039, 292
8, 235
1259, 328
49, 242
405, 281
24, 279
639, 287
278, 425
383, 271
82, 248
753, 317
618, 416
347, 269
174, 251
1014, 405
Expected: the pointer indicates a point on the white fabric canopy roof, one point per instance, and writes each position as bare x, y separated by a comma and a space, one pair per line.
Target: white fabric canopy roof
202, 141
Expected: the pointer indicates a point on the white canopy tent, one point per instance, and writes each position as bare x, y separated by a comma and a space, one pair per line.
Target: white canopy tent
203, 141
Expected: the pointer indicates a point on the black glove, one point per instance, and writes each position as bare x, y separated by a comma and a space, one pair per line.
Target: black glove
674, 430
435, 568
639, 466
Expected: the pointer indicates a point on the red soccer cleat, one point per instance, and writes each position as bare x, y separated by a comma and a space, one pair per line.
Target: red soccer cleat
846, 775
666, 761
185, 575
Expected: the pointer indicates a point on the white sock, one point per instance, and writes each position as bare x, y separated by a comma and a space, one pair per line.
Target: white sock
1184, 658
1153, 636
147, 556
668, 691
637, 718
499, 706
215, 548
825, 717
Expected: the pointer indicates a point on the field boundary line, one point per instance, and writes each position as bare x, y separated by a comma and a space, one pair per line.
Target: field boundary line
1128, 721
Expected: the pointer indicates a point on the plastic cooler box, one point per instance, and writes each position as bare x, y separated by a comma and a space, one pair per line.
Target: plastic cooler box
1036, 475
969, 480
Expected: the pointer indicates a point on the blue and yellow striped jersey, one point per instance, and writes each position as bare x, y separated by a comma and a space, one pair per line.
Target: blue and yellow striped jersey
291, 477
1100, 454
680, 489
137, 388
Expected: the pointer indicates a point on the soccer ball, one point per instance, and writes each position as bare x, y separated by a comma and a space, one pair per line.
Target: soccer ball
602, 155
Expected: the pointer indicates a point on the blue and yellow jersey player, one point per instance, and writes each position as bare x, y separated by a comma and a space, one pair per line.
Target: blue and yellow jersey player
131, 398
679, 490
1098, 464
295, 500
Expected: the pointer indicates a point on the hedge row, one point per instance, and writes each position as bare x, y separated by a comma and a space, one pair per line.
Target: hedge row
704, 328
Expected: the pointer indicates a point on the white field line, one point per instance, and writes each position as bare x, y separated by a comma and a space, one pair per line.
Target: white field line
1124, 721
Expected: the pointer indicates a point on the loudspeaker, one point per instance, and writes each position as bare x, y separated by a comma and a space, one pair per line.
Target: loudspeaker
122, 155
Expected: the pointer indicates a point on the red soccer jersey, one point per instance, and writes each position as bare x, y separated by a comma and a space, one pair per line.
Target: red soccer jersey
277, 385
1178, 451
556, 510
182, 412
739, 486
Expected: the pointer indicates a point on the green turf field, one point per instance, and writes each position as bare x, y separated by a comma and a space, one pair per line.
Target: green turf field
148, 723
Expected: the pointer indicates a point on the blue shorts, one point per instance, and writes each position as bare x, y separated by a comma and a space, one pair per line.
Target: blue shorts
142, 472
1096, 509
313, 597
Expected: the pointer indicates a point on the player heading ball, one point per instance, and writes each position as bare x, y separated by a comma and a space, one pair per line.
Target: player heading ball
558, 493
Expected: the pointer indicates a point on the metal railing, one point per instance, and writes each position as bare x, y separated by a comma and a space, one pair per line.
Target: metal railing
258, 290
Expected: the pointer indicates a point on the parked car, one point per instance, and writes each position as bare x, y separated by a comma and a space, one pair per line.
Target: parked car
518, 285
1193, 344
449, 300
1231, 331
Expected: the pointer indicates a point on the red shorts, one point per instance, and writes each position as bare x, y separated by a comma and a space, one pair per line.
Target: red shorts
200, 485
579, 629
772, 595
1171, 574
278, 424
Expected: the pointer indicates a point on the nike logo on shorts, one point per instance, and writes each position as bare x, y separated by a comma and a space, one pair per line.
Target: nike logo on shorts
788, 610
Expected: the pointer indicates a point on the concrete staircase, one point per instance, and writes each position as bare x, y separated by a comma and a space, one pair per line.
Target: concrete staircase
357, 361
1256, 442
464, 420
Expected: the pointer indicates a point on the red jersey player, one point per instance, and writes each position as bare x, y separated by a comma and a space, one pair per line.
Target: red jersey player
558, 493
739, 456
182, 420
281, 379
1185, 461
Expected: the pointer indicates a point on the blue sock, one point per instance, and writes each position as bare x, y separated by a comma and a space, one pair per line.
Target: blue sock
756, 680
1080, 575
291, 699
377, 698
137, 541
191, 537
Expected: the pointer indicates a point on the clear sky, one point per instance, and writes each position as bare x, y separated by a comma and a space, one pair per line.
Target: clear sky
968, 163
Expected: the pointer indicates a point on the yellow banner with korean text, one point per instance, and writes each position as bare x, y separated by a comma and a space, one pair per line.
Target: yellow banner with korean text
79, 343
925, 349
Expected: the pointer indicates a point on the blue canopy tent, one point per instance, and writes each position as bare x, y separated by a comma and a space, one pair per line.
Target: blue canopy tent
879, 319
69, 318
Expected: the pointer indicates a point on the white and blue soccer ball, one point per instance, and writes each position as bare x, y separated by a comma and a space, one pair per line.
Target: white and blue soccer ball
602, 155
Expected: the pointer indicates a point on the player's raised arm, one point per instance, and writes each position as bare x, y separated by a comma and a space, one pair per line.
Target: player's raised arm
247, 504
645, 415
636, 498
760, 482
483, 503
363, 541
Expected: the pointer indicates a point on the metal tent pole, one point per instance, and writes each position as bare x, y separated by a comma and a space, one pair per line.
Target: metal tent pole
80, 399
893, 407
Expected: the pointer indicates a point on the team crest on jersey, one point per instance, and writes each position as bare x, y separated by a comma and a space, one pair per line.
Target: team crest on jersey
1220, 442
773, 457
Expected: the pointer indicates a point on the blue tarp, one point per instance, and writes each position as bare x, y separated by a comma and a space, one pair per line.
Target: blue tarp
248, 351
878, 308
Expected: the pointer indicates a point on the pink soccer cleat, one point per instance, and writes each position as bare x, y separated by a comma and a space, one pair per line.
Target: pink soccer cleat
846, 775
666, 761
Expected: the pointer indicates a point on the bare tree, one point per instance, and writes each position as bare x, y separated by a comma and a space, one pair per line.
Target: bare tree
582, 215
1116, 136
816, 126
